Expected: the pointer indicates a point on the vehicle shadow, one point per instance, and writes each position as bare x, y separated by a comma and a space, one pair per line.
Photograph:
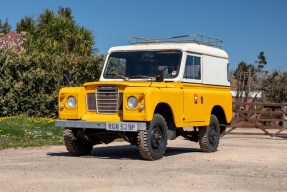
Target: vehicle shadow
125, 152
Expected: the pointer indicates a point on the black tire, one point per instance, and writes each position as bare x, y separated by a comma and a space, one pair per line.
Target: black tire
75, 145
209, 135
152, 142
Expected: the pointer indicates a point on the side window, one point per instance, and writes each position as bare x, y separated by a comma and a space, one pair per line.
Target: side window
228, 73
192, 68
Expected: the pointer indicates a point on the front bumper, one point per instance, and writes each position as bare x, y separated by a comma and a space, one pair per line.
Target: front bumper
141, 126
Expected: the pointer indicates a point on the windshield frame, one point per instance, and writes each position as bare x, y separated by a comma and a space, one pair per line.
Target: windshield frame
121, 77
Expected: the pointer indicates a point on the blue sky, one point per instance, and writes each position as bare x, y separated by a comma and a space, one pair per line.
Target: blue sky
246, 26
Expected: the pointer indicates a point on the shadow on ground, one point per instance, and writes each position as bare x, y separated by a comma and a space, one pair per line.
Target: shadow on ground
123, 152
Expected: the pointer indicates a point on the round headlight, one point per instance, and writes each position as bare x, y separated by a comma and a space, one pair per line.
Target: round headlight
132, 102
71, 102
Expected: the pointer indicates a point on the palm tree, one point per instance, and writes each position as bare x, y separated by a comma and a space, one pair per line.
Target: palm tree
58, 33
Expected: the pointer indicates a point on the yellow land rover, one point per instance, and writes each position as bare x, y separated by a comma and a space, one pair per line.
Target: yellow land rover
149, 92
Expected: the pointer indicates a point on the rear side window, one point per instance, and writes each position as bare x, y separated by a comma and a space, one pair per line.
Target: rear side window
228, 73
192, 68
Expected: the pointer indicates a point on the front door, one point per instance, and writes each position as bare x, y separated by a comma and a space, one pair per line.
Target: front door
194, 104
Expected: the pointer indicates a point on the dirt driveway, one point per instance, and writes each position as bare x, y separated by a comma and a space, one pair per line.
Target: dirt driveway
254, 163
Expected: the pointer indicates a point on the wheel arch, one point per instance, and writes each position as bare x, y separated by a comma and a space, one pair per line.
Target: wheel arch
166, 111
218, 111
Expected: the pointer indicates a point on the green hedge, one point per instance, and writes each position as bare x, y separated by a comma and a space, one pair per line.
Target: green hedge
29, 82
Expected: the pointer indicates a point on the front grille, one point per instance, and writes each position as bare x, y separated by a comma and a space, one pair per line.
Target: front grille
91, 101
107, 100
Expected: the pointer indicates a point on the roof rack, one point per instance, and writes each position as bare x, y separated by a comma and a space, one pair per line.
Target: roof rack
189, 38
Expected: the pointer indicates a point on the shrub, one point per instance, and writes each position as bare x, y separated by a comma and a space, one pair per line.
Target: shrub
29, 82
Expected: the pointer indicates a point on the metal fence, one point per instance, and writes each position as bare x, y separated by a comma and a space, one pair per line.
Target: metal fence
269, 118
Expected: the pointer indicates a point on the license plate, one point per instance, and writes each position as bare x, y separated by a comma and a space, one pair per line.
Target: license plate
122, 127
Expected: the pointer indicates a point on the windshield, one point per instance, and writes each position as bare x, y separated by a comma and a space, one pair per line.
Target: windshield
142, 64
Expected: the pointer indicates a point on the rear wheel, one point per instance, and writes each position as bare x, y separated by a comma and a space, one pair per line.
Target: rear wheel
76, 145
209, 135
152, 142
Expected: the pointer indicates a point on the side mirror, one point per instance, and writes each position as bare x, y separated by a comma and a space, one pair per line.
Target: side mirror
159, 76
66, 76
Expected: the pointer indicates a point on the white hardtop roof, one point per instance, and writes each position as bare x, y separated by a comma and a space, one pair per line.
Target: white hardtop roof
188, 47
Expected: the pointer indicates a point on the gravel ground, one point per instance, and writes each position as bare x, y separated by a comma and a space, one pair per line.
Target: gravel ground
242, 163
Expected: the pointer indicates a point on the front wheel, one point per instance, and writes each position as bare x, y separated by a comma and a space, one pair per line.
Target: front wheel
152, 142
209, 135
75, 145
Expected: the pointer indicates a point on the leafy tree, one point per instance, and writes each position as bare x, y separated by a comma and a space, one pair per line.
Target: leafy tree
261, 61
5, 27
245, 76
26, 24
274, 86
250, 78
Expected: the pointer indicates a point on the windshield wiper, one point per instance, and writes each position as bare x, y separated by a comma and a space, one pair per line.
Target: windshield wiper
118, 75
141, 76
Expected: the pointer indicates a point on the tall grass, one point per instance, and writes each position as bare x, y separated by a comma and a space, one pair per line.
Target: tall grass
24, 131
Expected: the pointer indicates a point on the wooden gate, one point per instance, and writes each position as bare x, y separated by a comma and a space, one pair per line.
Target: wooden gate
270, 118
